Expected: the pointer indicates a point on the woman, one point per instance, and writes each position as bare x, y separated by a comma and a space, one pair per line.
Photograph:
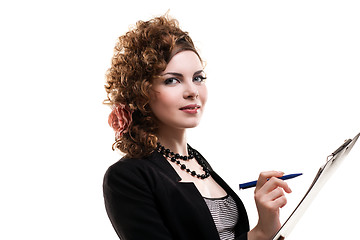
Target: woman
163, 188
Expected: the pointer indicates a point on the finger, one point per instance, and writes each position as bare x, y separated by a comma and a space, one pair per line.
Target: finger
282, 184
276, 199
274, 194
280, 202
274, 183
271, 202
264, 177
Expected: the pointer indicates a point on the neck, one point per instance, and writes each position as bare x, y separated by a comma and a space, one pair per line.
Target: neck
175, 140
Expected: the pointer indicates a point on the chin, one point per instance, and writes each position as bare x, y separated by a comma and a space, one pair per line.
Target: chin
192, 125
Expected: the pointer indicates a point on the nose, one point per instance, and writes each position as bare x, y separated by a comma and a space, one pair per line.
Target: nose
191, 91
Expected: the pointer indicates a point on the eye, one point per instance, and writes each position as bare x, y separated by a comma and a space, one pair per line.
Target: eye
171, 81
199, 79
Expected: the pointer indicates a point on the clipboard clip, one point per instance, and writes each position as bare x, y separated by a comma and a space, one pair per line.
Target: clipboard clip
345, 144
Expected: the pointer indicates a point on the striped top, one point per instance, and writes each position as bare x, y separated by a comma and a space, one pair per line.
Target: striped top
225, 214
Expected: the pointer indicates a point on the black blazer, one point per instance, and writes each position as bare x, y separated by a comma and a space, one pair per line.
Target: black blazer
145, 199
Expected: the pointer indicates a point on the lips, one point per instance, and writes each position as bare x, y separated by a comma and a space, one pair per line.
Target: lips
191, 107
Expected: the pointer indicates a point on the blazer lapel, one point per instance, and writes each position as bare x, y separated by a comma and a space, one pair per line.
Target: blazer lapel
159, 160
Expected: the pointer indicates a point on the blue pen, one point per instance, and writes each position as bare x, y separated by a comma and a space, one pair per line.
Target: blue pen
253, 183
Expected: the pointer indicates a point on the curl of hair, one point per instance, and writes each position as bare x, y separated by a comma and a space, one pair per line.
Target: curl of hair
140, 56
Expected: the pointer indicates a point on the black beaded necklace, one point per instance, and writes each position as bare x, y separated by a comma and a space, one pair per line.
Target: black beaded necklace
175, 157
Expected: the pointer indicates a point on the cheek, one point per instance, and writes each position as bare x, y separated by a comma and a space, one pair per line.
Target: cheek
203, 95
162, 100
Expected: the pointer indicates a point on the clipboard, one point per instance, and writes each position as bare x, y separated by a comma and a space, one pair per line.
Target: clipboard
332, 163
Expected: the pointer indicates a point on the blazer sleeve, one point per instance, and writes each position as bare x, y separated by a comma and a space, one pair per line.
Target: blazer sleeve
130, 205
242, 237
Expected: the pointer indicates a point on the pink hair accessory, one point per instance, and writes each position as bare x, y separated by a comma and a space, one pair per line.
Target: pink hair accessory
120, 119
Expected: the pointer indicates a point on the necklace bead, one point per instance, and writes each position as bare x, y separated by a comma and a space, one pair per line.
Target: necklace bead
174, 157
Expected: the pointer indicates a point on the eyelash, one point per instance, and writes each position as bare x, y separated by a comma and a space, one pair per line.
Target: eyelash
169, 81
202, 78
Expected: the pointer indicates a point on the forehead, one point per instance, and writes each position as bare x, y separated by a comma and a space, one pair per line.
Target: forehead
184, 61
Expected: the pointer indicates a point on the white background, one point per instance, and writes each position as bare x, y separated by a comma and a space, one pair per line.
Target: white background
283, 87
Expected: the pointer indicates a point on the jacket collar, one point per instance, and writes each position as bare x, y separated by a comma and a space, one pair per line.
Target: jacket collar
159, 160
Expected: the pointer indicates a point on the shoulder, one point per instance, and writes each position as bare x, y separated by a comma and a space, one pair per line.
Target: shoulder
142, 172
127, 164
123, 178
126, 167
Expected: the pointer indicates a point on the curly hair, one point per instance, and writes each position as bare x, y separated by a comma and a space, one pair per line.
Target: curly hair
140, 56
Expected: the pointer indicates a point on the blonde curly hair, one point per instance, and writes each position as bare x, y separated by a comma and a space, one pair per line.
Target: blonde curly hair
140, 56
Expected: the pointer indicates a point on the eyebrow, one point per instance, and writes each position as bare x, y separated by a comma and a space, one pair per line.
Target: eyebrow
180, 75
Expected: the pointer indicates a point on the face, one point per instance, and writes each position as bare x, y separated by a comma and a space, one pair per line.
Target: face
178, 97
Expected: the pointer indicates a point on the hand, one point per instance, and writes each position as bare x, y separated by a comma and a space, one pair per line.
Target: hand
269, 198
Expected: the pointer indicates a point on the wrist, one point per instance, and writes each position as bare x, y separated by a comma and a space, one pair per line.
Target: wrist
258, 234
